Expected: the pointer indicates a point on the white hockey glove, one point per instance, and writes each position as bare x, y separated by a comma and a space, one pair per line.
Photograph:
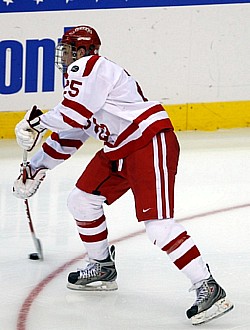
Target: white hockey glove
27, 183
29, 131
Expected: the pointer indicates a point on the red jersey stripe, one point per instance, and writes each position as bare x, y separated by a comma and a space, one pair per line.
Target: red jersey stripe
66, 142
148, 113
152, 130
71, 122
134, 126
139, 90
90, 64
53, 153
79, 108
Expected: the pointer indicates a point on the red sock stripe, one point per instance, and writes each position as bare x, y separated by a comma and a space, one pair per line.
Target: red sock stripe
94, 238
91, 224
190, 255
175, 243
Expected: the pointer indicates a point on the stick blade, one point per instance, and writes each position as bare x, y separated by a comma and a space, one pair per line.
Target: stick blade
38, 247
34, 256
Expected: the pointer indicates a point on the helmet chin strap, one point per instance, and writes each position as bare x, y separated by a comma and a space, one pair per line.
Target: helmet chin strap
88, 51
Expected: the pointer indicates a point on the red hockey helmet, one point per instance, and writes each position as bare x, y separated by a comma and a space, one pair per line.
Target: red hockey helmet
83, 36
78, 37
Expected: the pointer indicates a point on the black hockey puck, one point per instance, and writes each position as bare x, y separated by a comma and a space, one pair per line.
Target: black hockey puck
34, 256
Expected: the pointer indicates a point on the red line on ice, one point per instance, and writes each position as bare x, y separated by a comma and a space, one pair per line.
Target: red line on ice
25, 308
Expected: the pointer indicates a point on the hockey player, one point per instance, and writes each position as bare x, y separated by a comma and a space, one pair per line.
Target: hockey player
140, 153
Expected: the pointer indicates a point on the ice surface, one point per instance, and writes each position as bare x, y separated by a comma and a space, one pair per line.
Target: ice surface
212, 201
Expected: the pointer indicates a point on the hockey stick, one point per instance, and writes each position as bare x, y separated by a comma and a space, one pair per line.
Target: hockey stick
38, 245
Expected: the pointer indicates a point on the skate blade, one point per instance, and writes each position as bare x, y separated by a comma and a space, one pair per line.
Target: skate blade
96, 286
221, 307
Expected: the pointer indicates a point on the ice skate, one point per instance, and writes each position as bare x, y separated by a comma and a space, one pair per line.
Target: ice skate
211, 302
99, 275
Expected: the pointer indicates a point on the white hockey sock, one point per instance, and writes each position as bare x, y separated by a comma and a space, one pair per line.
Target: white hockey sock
172, 238
94, 237
87, 210
196, 270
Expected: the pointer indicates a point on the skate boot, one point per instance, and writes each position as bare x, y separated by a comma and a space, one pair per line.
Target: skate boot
99, 275
211, 302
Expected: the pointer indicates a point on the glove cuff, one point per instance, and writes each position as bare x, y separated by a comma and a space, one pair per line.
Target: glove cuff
35, 124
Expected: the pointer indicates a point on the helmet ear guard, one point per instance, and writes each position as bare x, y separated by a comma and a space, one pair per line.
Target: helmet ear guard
82, 36
92, 50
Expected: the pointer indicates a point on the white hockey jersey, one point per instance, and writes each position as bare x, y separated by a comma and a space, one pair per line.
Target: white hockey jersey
103, 101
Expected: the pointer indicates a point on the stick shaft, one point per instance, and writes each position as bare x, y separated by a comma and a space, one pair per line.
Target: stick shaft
25, 157
32, 230
25, 161
36, 240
